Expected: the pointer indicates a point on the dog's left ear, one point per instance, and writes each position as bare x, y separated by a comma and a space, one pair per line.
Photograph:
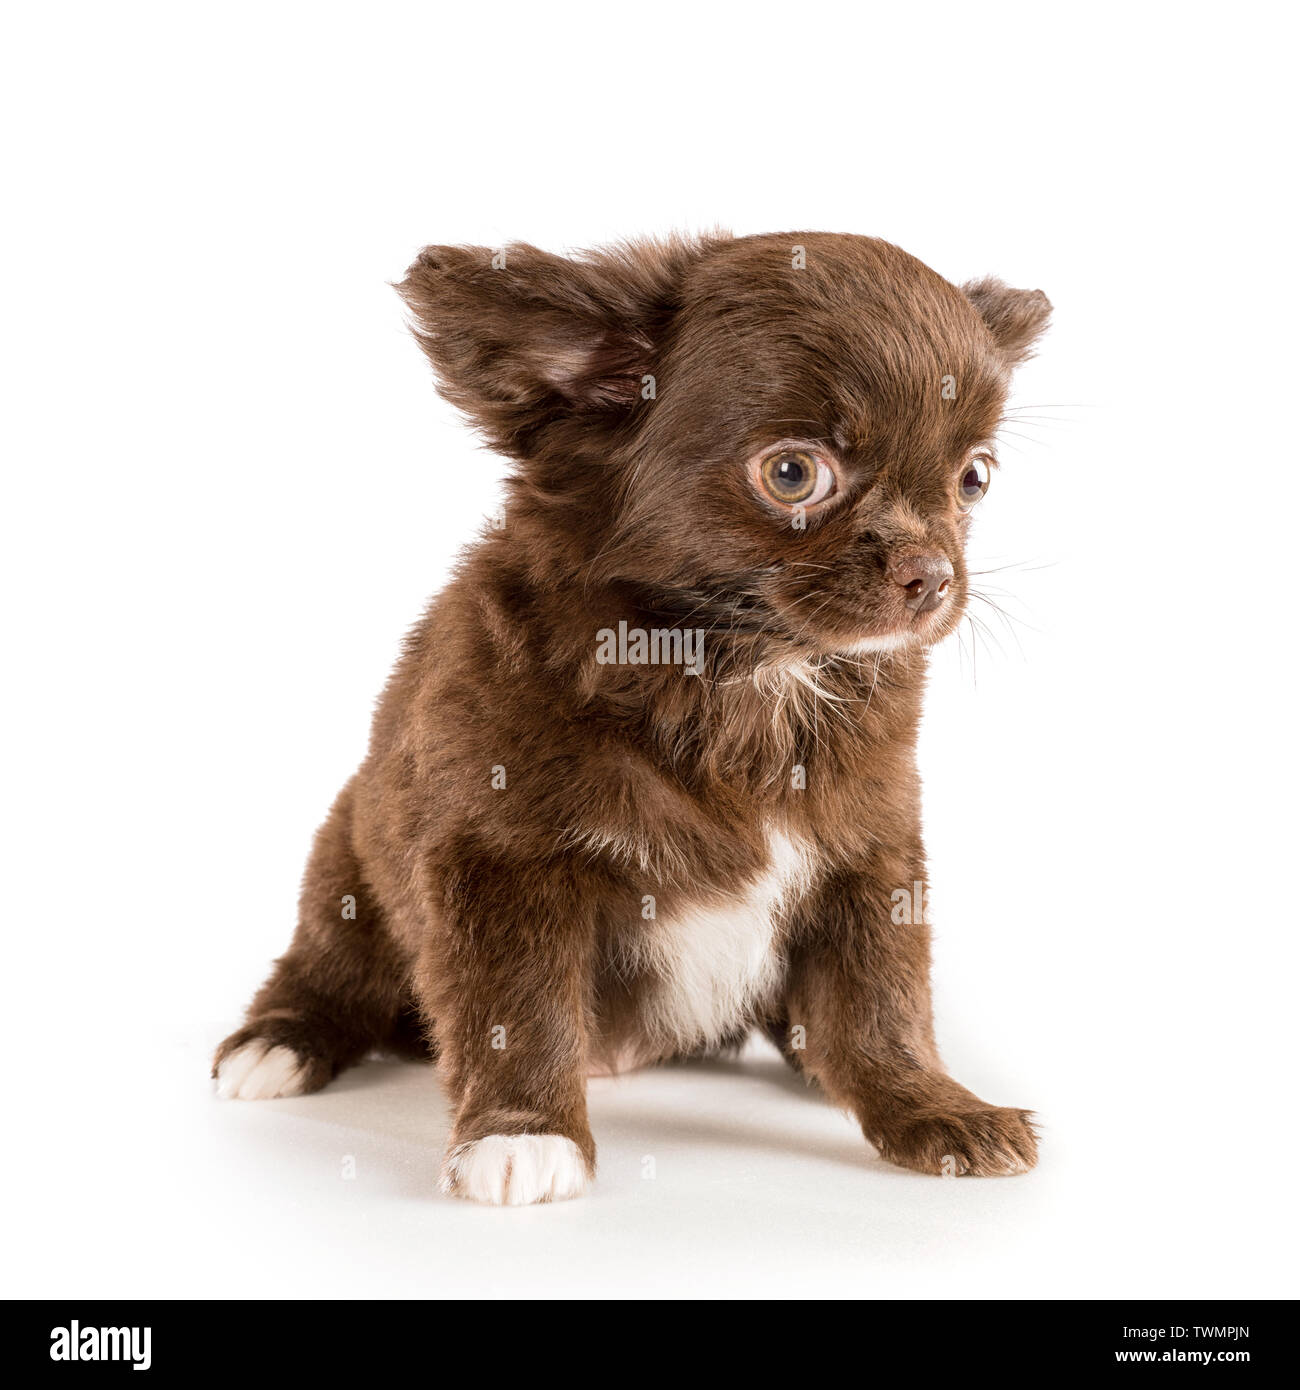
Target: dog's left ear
1015, 318
522, 340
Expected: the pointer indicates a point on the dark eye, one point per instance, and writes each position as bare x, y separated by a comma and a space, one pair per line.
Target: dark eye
794, 476
974, 481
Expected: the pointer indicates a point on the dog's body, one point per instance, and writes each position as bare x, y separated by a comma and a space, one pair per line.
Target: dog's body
552, 863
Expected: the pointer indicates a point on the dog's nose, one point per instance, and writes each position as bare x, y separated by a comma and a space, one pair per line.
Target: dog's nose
927, 579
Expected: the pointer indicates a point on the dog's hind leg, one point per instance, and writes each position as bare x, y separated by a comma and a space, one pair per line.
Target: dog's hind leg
339, 992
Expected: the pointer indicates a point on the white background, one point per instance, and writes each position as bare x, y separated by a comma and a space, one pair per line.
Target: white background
229, 488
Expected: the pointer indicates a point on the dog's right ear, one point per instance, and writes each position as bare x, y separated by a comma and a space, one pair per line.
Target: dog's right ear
523, 340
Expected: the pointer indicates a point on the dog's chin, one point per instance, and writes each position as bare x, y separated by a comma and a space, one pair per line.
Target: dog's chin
905, 639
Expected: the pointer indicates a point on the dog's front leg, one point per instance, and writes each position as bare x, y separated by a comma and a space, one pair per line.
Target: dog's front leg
505, 980
860, 1022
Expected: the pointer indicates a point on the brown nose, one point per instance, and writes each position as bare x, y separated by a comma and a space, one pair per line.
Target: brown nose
927, 579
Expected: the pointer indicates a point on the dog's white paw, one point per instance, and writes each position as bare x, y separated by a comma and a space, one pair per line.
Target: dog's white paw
258, 1072
514, 1170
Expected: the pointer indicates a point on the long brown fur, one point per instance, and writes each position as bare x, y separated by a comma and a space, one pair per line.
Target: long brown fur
521, 801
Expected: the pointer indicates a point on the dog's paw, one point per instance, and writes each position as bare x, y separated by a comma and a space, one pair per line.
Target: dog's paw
514, 1170
259, 1071
985, 1141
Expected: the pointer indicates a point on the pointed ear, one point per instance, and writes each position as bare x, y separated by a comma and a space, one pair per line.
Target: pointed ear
521, 339
1015, 318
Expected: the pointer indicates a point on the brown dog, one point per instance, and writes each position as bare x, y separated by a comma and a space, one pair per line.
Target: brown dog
644, 776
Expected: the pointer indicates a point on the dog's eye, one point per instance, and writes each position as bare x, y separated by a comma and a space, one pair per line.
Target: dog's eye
974, 481
794, 476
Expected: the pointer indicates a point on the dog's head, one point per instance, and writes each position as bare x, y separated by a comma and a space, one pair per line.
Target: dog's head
788, 432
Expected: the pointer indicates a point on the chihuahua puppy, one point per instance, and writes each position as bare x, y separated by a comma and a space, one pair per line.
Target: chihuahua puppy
644, 777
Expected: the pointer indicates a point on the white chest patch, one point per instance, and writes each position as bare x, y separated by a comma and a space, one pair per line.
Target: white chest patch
712, 965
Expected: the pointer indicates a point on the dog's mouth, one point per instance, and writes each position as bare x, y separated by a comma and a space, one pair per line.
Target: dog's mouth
914, 630
742, 613
842, 630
